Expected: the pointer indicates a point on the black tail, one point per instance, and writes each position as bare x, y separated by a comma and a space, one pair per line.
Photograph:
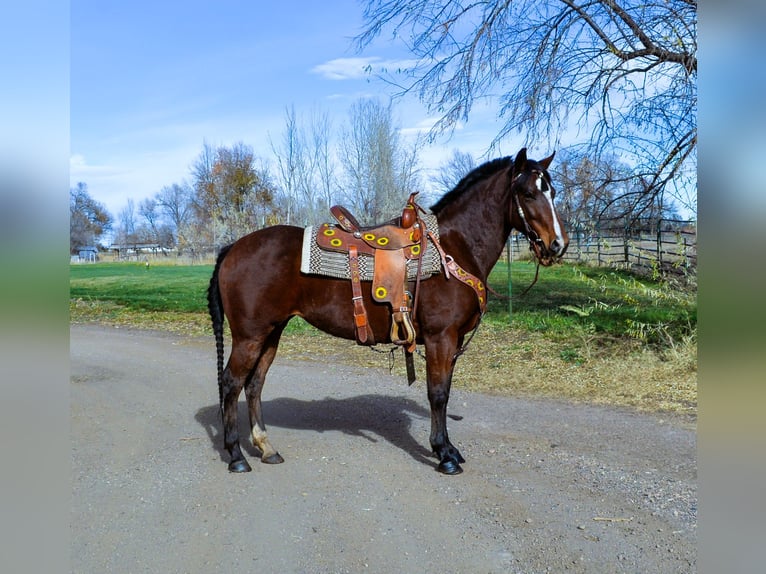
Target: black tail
215, 307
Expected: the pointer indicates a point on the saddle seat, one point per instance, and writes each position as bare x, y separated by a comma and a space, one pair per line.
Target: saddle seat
395, 234
391, 244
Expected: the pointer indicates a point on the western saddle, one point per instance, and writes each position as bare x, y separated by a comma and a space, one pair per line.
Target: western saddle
392, 245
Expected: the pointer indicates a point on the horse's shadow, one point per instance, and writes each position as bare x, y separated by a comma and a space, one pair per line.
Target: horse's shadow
367, 416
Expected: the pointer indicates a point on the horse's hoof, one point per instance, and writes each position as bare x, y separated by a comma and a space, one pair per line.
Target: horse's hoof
275, 458
239, 466
449, 467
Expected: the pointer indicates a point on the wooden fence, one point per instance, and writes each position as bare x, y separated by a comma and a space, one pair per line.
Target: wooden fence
661, 248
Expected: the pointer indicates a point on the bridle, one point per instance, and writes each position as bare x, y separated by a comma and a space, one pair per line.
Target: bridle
536, 243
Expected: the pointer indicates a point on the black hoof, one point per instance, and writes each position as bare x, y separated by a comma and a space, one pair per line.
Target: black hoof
449, 467
273, 459
239, 466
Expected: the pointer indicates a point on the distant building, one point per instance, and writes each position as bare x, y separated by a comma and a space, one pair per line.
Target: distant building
88, 253
136, 250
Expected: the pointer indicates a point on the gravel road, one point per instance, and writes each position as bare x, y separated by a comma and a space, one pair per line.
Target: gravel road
548, 486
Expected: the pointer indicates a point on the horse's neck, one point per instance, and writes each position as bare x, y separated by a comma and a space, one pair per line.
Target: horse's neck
477, 226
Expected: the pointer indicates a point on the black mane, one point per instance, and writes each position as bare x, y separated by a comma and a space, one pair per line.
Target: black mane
482, 172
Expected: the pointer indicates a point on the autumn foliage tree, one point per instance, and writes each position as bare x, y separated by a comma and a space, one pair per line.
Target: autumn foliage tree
232, 196
88, 219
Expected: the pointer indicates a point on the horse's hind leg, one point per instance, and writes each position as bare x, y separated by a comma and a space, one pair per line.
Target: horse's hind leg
236, 373
253, 389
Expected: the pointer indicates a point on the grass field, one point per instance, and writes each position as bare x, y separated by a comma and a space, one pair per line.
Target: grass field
581, 333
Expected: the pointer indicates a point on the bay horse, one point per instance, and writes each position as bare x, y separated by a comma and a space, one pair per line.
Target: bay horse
257, 285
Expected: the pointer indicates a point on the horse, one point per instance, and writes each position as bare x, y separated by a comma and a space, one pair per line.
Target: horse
257, 285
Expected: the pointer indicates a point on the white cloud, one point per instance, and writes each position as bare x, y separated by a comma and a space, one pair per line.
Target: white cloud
81, 170
77, 163
357, 68
423, 127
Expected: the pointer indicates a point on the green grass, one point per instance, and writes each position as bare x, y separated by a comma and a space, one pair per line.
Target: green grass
172, 297
571, 299
140, 288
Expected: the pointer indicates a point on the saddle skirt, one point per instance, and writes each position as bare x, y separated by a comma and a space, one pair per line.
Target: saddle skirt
317, 260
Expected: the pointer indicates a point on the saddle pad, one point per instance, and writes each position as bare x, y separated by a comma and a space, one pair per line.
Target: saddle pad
316, 261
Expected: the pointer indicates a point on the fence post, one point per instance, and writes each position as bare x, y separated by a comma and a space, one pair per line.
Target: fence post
625, 248
578, 235
510, 260
598, 250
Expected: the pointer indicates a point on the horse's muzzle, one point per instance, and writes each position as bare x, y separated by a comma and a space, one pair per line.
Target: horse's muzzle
553, 253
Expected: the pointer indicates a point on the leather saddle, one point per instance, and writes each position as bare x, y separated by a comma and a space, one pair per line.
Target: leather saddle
391, 244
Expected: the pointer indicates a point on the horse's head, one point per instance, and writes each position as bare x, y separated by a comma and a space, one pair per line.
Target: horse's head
533, 212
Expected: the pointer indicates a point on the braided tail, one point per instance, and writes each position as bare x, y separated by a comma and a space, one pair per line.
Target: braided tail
215, 308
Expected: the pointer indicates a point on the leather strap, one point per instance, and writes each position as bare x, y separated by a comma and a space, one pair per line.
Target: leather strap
360, 313
344, 217
469, 279
451, 268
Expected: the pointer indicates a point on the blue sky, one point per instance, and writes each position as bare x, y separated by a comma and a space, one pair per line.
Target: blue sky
150, 81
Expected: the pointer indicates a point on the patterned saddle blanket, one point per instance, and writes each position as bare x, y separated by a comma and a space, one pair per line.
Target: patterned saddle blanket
318, 261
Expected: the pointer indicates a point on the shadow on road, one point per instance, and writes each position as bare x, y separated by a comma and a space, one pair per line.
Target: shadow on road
367, 416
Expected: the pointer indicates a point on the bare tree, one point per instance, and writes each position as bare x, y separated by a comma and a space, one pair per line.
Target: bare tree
380, 171
126, 231
599, 194
148, 209
452, 170
204, 179
175, 203
623, 70
289, 156
321, 128
306, 167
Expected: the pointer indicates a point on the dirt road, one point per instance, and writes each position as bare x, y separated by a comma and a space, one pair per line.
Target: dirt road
547, 487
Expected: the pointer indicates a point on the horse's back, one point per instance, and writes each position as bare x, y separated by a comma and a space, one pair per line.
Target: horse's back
260, 272
276, 248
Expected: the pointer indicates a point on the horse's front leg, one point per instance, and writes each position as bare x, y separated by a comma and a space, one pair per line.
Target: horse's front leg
440, 363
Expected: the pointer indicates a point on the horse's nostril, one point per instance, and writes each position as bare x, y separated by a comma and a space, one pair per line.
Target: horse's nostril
555, 246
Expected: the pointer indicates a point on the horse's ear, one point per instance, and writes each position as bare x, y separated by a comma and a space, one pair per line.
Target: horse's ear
547, 161
520, 161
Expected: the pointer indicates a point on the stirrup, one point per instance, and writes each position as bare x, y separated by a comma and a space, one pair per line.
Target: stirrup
401, 321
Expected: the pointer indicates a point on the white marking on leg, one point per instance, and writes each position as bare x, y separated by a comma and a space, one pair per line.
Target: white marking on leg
259, 434
261, 440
